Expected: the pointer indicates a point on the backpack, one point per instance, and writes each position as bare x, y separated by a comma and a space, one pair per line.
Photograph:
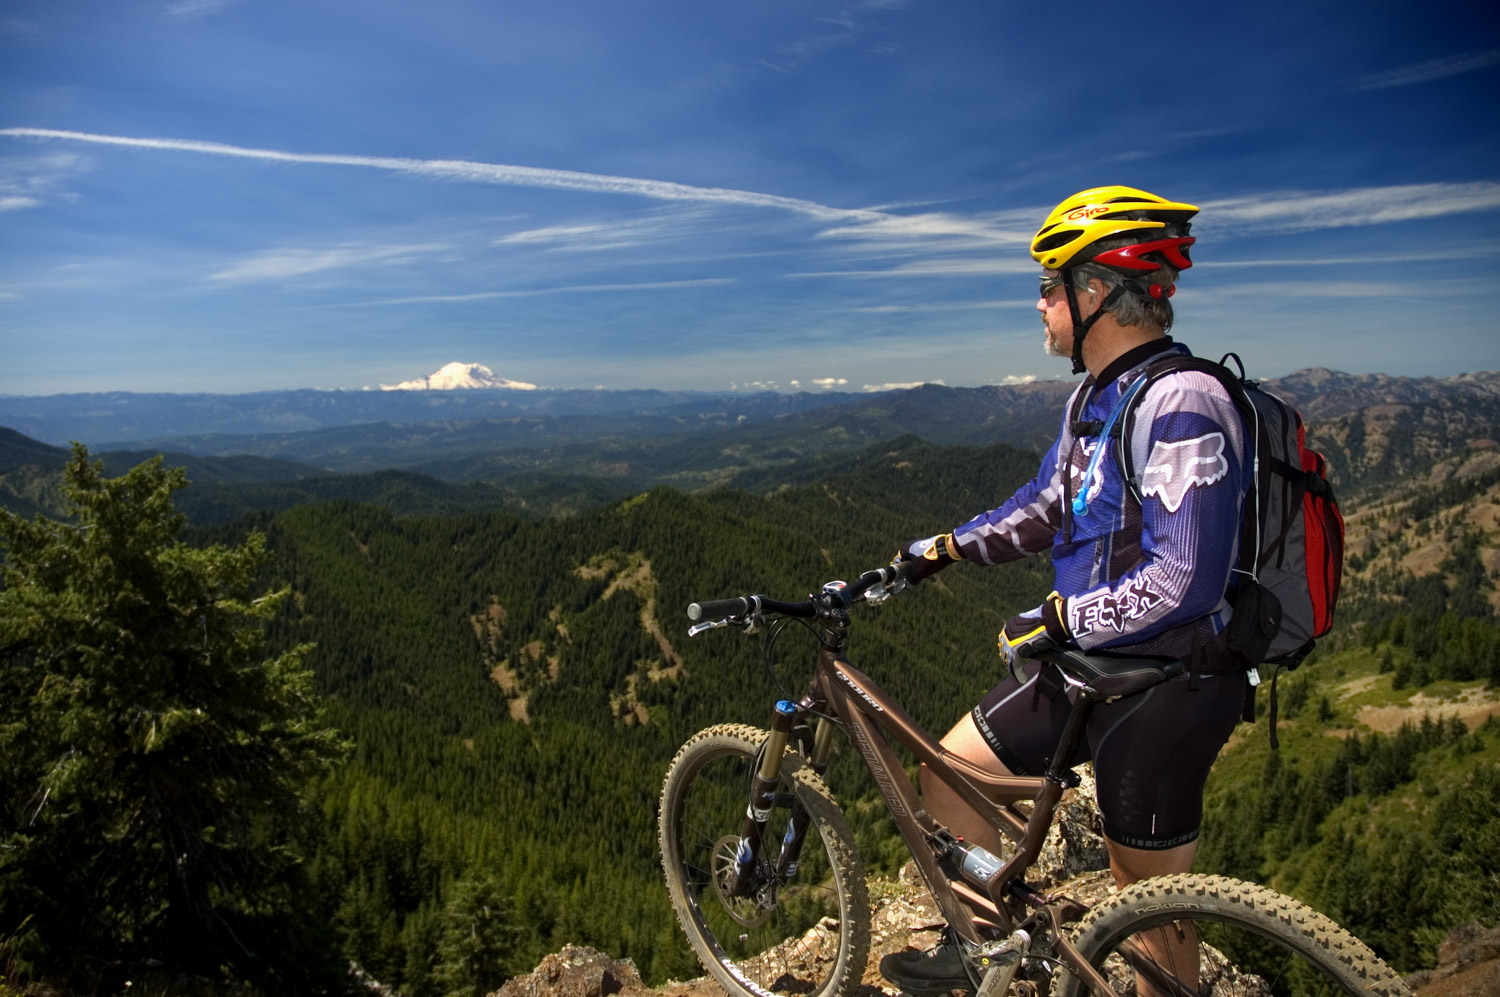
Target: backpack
1291, 562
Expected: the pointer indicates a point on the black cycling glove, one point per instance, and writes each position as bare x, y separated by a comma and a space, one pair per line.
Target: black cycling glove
929, 555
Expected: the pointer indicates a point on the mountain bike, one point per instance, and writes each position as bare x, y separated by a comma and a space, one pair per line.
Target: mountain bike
769, 887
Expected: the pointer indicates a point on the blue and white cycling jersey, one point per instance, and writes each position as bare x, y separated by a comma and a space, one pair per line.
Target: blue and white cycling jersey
1149, 574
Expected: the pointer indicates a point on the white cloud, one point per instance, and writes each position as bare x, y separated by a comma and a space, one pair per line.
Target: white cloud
191, 10
897, 385
1003, 230
279, 264
553, 233
30, 181
946, 306
568, 289
832, 31
1431, 69
871, 228
829, 382
589, 237
1467, 251
472, 172
1272, 290
1345, 208
976, 267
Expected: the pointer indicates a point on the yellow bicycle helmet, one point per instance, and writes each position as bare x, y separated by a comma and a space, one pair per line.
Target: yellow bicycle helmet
1127, 230
1157, 226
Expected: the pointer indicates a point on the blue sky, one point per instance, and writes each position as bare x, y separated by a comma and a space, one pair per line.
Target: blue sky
241, 195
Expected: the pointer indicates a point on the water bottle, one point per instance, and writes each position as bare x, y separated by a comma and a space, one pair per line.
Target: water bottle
976, 863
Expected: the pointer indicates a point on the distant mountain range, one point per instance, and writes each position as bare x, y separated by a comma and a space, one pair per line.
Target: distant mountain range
549, 452
121, 418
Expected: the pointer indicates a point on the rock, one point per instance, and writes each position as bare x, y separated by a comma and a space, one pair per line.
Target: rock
1073, 861
577, 971
1074, 845
1468, 965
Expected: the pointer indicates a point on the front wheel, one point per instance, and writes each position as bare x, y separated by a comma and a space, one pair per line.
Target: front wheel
806, 934
1210, 935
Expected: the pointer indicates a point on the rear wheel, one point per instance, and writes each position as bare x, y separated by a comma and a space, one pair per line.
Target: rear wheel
807, 934
1209, 935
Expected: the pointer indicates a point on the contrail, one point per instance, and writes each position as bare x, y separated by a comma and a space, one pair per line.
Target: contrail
496, 173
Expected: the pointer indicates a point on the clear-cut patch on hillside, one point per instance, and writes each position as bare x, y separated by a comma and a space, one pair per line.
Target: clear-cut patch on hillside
1413, 526
1472, 703
631, 572
520, 671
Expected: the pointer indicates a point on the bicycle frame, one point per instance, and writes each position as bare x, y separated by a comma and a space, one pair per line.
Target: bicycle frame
841, 693
851, 696
1002, 925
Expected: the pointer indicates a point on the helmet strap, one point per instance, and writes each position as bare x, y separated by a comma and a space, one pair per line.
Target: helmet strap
1081, 326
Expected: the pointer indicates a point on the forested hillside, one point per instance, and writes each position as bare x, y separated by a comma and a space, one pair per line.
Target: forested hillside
514, 685
514, 689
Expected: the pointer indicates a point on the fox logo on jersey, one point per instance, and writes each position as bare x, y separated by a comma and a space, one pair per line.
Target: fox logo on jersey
1173, 468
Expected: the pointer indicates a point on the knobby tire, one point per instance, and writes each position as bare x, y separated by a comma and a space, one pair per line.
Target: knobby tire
809, 936
1251, 942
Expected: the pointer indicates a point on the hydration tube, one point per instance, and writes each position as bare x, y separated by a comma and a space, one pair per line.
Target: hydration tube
1080, 501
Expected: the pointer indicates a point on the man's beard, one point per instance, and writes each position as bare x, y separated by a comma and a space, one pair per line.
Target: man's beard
1051, 345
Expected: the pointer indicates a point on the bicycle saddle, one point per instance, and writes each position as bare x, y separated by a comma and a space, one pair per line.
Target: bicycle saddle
1112, 676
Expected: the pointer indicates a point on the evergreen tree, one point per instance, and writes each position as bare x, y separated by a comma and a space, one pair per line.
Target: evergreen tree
150, 756
478, 939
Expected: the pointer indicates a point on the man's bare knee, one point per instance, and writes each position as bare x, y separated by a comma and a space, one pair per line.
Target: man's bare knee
1131, 865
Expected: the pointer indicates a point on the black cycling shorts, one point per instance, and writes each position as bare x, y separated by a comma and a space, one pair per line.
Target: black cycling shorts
1151, 751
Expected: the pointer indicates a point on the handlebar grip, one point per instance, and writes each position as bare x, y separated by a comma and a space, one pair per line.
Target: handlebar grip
719, 607
745, 604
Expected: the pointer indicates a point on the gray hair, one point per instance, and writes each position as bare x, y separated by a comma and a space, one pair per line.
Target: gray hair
1131, 309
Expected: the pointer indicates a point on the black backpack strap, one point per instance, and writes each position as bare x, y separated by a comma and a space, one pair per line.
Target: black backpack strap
1256, 433
1158, 369
1271, 713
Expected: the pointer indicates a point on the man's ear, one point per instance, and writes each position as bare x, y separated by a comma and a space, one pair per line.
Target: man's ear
1096, 295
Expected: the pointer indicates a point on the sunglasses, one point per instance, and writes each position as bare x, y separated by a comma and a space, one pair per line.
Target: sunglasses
1052, 283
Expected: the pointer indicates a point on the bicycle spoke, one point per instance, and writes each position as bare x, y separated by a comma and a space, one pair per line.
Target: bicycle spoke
1215, 937
797, 935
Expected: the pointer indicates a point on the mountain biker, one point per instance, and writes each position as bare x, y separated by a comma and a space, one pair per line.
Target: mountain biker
1140, 576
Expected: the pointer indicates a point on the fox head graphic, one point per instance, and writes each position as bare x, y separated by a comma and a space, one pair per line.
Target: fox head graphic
1173, 468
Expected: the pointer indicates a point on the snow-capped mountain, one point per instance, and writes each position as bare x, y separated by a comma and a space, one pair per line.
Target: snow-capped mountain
456, 375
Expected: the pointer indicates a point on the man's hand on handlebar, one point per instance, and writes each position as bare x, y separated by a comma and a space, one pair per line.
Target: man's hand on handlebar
928, 556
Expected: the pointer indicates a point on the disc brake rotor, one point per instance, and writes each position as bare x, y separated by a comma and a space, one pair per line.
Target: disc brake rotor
752, 911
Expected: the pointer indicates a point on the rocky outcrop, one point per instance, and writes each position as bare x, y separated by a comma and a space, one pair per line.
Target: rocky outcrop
1073, 861
903, 915
1468, 965
577, 971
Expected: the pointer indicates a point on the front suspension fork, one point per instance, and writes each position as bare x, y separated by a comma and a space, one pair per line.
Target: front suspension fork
763, 793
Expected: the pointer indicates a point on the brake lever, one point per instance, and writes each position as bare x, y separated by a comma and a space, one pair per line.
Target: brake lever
880, 593
698, 628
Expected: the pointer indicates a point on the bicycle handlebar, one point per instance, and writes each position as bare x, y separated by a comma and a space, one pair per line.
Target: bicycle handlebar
841, 593
746, 604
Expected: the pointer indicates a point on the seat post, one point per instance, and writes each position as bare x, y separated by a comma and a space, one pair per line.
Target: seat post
1058, 770
1058, 777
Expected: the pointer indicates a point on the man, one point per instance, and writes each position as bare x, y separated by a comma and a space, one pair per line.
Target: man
1140, 570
